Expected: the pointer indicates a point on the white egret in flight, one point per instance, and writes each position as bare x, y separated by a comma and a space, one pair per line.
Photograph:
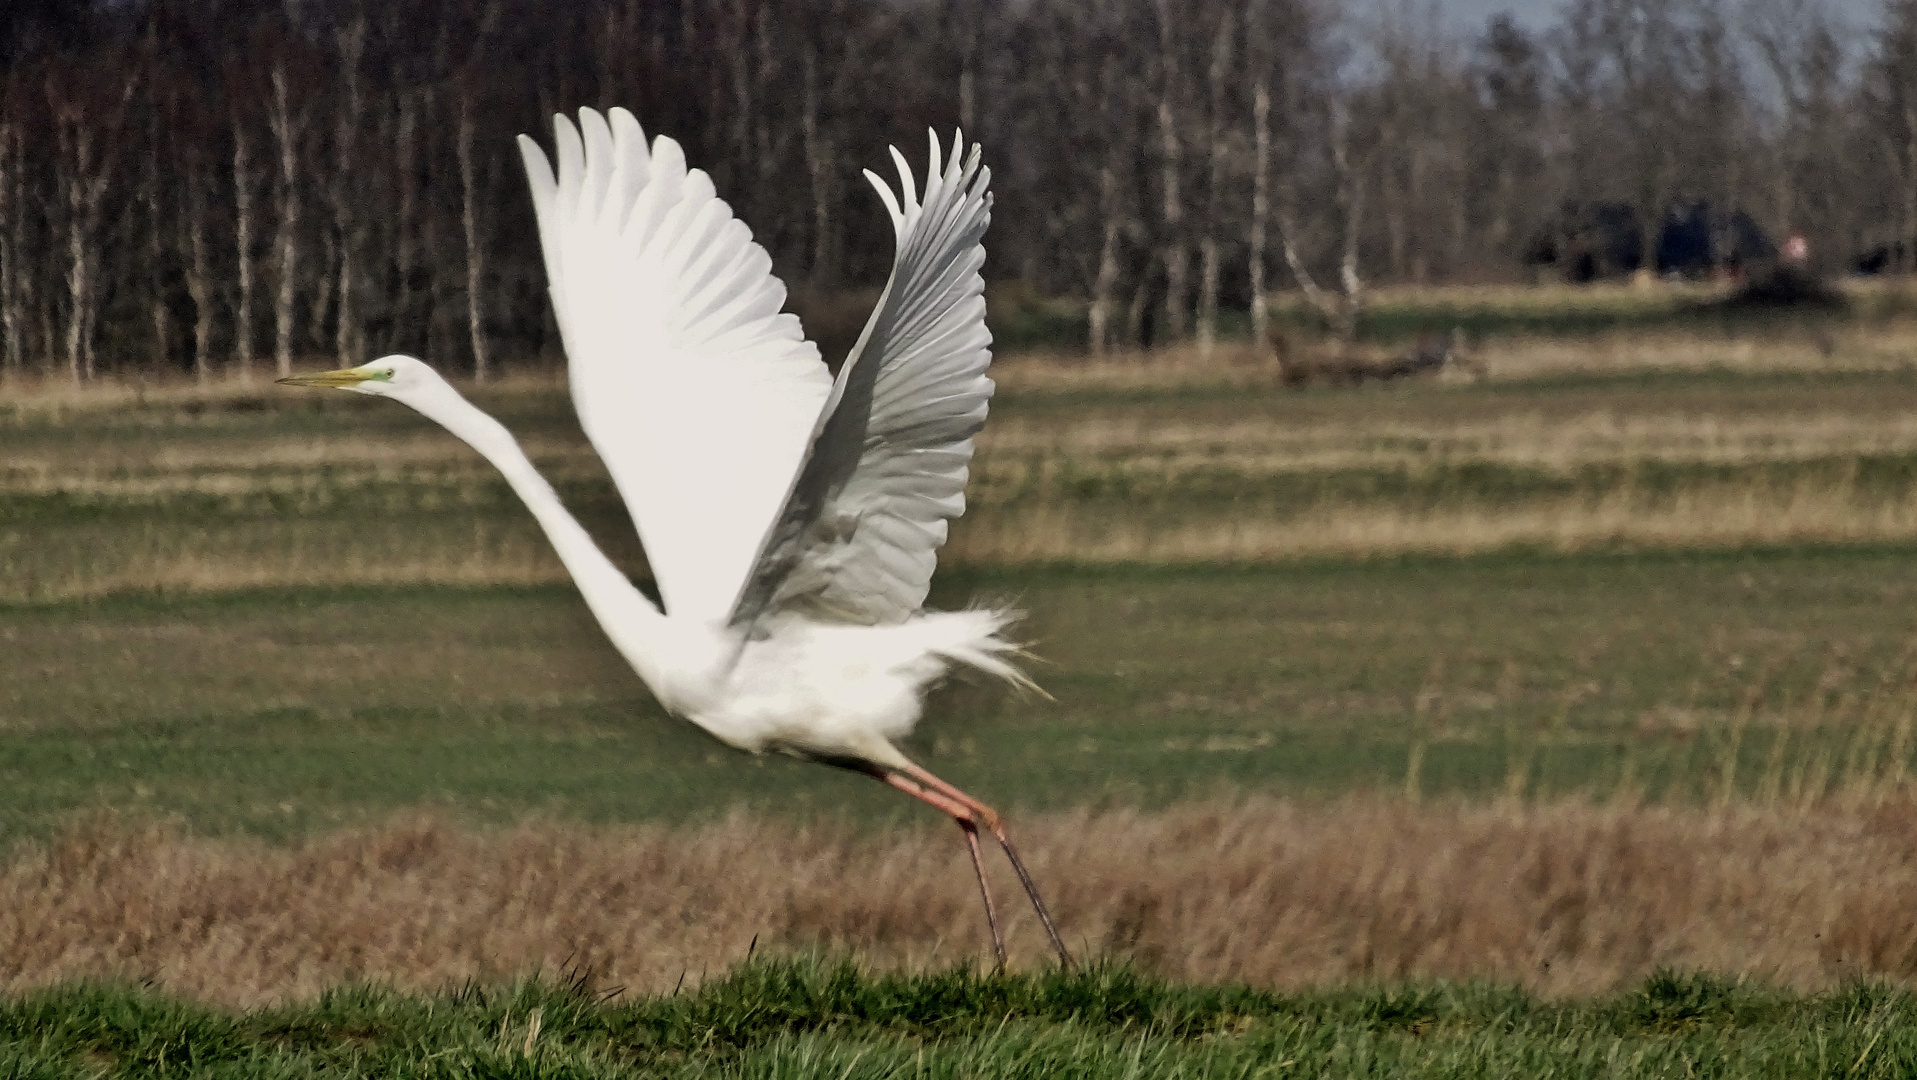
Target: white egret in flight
791, 518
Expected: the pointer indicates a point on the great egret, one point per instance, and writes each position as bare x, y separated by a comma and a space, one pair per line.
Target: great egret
791, 518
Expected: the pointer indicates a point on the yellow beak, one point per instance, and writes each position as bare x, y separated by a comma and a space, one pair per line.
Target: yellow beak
342, 377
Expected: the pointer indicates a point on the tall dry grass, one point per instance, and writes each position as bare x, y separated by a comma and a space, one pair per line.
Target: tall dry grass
1570, 897
1711, 517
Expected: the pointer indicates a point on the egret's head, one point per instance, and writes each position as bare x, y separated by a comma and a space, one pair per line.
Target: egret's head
397, 376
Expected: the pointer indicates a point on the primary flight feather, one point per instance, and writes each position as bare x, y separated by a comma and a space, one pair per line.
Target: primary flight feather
791, 518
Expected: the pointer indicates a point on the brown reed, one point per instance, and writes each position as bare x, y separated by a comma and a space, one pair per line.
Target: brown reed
1567, 897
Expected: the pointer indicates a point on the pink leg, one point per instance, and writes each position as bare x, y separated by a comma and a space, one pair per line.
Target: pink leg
964, 816
994, 822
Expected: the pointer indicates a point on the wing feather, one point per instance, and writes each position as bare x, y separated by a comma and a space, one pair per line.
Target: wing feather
697, 392
859, 534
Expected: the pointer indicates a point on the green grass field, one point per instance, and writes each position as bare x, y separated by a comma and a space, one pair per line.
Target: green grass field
270, 611
815, 1019
285, 710
1648, 559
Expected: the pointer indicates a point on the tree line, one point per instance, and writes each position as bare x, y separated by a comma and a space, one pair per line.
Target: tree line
231, 186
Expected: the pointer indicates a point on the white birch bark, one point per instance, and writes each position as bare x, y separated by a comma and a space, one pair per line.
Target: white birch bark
1260, 209
286, 133
1098, 313
405, 158
84, 174
1177, 256
160, 314
243, 178
472, 194
12, 250
347, 344
818, 163
1208, 249
199, 269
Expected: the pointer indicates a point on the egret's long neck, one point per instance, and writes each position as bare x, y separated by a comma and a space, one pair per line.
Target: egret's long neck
635, 626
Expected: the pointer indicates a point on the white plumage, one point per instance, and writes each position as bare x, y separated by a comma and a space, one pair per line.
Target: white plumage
698, 394
791, 518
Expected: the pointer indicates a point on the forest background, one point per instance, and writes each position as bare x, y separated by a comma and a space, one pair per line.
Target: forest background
215, 186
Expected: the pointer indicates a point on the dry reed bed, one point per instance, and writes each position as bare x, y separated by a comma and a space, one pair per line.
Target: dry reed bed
1564, 898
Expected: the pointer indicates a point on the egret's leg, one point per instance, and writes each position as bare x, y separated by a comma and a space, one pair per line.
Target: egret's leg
994, 822
964, 815
970, 829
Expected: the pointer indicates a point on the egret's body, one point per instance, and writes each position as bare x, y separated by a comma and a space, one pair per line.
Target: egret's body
791, 518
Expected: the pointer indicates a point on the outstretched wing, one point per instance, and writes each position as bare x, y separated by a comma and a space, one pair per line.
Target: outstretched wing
697, 392
858, 536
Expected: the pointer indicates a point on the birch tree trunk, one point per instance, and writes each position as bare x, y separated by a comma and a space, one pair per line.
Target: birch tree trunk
1906, 251
286, 133
1294, 259
965, 36
84, 174
1098, 313
475, 250
11, 250
346, 330
1351, 196
324, 278
243, 251
199, 270
405, 156
156, 290
1177, 258
1176, 255
818, 163
1260, 209
1208, 253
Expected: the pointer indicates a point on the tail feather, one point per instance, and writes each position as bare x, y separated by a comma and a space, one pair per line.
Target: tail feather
973, 638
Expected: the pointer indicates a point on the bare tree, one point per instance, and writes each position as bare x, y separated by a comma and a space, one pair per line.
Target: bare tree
159, 223
345, 189
287, 127
1177, 255
13, 251
199, 263
1141, 149
1215, 154
1351, 202
1889, 102
473, 193
1509, 148
405, 218
85, 135
1260, 208
819, 158
243, 180
1339, 310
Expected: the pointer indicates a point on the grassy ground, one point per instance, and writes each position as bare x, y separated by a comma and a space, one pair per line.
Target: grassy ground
284, 710
1648, 562
1618, 561
1565, 446
819, 1019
